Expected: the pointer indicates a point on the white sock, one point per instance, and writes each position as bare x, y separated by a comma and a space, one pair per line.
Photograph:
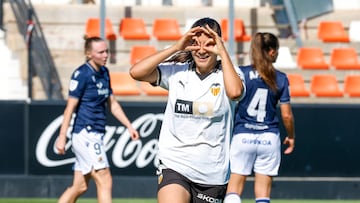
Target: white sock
263, 200
232, 198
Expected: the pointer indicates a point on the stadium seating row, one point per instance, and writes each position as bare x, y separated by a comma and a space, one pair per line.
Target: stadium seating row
135, 29
182, 3
321, 85
162, 29
168, 29
334, 31
308, 58
324, 85
313, 58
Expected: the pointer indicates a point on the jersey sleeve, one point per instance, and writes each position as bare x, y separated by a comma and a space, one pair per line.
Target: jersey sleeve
166, 71
77, 84
284, 91
107, 76
242, 77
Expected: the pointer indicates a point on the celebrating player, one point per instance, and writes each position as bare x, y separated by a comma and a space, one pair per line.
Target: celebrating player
195, 134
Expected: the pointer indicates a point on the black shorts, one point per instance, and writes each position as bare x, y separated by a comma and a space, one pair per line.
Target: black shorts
199, 193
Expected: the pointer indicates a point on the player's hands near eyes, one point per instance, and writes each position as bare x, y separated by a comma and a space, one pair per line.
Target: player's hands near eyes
215, 43
188, 41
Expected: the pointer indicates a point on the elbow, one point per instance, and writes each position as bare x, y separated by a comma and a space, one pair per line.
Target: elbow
133, 73
140, 73
235, 94
137, 72
234, 90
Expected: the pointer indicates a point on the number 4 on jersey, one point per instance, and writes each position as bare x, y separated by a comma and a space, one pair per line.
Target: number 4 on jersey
257, 106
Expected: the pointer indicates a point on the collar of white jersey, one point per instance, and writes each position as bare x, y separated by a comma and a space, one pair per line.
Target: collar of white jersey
192, 67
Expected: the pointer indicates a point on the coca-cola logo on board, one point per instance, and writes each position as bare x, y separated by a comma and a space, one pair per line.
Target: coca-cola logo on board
125, 151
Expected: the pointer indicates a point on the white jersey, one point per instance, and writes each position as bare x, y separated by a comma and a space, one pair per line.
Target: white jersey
198, 121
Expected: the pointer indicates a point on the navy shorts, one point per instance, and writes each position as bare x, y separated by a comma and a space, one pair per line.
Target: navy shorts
199, 193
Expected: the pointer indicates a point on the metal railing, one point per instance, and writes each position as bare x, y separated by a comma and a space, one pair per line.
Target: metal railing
40, 61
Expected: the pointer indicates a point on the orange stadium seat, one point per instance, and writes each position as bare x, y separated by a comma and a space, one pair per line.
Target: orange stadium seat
239, 30
150, 90
93, 28
297, 86
352, 85
344, 58
133, 29
123, 84
166, 29
332, 31
139, 52
311, 58
325, 85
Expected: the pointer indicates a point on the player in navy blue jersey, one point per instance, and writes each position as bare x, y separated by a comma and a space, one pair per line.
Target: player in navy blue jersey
255, 146
89, 96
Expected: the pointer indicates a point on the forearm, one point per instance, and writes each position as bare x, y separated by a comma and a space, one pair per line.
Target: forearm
289, 126
119, 114
232, 81
66, 122
68, 112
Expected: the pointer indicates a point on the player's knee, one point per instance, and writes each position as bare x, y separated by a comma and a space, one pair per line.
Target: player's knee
103, 179
82, 189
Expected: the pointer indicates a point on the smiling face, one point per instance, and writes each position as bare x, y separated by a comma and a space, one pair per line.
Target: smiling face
205, 61
98, 54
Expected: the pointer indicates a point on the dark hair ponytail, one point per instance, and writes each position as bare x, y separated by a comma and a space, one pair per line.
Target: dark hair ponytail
261, 45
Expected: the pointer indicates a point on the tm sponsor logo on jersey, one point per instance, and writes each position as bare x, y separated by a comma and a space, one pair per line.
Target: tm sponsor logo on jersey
256, 141
202, 109
184, 107
208, 198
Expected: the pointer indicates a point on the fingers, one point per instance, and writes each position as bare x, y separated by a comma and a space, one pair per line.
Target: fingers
187, 40
211, 31
60, 151
60, 146
190, 40
289, 150
134, 134
291, 143
210, 42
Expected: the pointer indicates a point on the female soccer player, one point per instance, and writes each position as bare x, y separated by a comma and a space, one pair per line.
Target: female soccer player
89, 95
195, 134
255, 145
